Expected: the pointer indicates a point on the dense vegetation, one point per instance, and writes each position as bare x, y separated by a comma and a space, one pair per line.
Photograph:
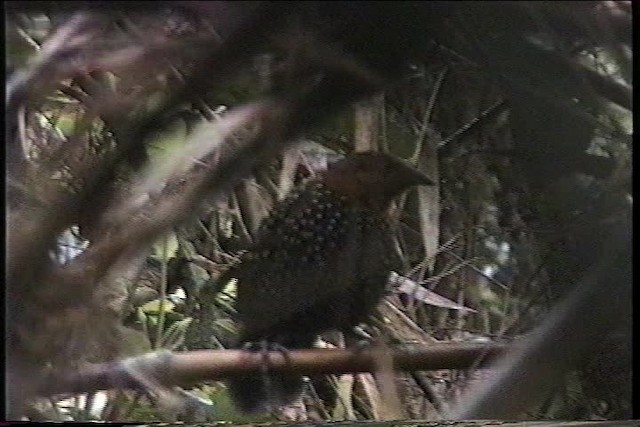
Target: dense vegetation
146, 143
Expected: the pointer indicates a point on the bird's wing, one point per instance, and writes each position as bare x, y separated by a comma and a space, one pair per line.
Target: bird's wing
302, 258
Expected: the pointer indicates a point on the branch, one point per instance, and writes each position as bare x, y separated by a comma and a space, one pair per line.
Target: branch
187, 368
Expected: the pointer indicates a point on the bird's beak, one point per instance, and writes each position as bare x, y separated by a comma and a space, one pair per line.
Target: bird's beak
421, 179
414, 176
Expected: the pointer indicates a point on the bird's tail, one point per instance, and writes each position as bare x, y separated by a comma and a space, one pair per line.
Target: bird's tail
265, 391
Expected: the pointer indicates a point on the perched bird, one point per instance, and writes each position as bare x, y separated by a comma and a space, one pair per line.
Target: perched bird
320, 261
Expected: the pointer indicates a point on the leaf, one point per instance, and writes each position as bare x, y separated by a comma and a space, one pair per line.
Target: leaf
153, 307
370, 389
402, 284
290, 160
344, 406
427, 161
172, 246
429, 210
174, 335
226, 325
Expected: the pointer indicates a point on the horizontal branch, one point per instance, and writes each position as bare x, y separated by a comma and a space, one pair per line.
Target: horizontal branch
188, 368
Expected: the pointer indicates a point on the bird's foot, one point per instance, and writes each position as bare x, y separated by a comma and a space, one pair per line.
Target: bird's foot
265, 348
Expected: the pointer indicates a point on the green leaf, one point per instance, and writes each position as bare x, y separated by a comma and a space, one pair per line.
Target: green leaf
172, 246
142, 318
175, 334
153, 307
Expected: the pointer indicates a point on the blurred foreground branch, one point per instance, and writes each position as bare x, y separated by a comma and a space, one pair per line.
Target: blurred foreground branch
597, 305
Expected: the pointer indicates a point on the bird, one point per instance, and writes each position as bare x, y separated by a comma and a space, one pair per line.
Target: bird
320, 261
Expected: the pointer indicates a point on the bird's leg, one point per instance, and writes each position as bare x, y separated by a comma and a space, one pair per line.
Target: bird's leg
265, 347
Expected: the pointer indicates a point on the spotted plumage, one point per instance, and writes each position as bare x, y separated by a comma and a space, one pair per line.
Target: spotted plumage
321, 261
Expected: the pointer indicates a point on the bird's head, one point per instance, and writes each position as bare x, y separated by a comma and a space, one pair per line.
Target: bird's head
372, 179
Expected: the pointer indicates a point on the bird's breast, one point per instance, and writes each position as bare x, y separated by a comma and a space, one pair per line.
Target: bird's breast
315, 226
319, 263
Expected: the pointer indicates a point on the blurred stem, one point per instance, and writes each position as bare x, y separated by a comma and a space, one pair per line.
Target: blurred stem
428, 111
163, 292
368, 124
320, 406
56, 409
506, 309
76, 405
132, 405
88, 405
114, 408
242, 229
